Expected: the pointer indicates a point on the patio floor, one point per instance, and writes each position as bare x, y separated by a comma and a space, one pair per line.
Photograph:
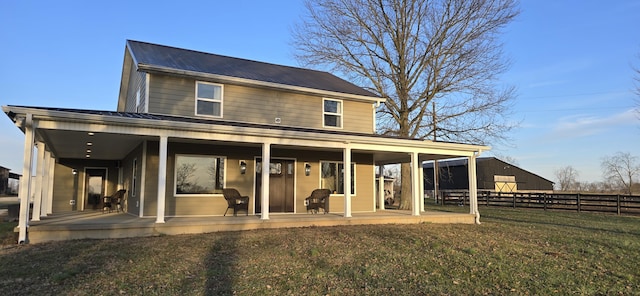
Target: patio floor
98, 225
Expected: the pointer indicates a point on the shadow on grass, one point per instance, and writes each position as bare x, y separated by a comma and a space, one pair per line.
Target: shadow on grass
220, 265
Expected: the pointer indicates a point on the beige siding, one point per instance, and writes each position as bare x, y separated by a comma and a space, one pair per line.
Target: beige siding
176, 96
215, 205
358, 117
136, 81
132, 199
67, 186
363, 201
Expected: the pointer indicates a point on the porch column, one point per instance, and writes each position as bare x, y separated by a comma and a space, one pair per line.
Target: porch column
162, 179
415, 186
25, 181
37, 194
264, 194
421, 185
347, 181
381, 189
45, 184
50, 175
473, 188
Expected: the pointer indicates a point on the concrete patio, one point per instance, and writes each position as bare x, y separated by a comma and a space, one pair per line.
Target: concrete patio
98, 225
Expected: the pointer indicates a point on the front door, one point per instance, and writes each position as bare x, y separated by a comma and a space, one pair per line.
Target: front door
281, 186
94, 188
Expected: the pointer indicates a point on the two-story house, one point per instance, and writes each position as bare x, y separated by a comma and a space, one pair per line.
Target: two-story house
189, 124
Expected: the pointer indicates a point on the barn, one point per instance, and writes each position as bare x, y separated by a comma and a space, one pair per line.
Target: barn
493, 175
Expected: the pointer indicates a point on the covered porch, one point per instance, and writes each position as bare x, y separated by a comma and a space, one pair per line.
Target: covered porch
141, 150
98, 225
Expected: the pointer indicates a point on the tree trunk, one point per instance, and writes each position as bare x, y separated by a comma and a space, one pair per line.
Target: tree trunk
405, 193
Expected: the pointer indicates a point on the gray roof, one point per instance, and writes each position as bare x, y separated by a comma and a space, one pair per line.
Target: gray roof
148, 54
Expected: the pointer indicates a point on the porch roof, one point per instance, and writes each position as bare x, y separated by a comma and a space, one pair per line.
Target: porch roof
65, 133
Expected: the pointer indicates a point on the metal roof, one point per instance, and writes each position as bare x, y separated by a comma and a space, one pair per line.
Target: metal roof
166, 57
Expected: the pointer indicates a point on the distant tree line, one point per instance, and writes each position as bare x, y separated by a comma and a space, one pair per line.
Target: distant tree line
620, 174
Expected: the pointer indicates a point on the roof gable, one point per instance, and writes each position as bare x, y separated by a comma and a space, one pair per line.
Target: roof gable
177, 59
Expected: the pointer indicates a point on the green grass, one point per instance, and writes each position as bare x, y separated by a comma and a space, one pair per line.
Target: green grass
512, 252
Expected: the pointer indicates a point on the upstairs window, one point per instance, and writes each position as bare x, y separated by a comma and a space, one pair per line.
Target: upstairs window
332, 113
208, 99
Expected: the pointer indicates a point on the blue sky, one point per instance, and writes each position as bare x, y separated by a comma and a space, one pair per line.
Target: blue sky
571, 65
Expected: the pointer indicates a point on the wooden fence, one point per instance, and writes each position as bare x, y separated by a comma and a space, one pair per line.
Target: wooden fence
621, 204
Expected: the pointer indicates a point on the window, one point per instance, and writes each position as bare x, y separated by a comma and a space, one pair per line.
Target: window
134, 177
138, 101
199, 174
332, 113
332, 177
208, 99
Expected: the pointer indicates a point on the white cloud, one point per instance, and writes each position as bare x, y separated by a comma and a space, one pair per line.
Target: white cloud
582, 125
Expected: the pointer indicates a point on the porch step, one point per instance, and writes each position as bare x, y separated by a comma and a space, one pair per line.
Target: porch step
123, 225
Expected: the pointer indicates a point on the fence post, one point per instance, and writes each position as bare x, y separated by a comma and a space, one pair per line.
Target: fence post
514, 200
618, 203
486, 194
544, 199
578, 200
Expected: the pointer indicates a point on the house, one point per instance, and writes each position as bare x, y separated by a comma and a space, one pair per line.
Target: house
493, 174
190, 123
8, 182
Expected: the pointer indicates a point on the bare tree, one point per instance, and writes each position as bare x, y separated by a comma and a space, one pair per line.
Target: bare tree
413, 52
567, 178
621, 169
183, 176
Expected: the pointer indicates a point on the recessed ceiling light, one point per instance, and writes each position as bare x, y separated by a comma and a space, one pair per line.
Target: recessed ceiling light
90, 133
89, 143
88, 150
88, 155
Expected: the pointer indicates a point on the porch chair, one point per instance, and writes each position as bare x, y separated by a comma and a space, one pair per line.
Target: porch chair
117, 198
235, 201
319, 199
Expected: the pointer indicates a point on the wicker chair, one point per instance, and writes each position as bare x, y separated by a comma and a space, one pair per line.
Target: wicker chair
319, 199
235, 201
116, 198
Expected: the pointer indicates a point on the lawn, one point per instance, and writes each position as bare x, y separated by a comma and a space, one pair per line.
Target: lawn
514, 251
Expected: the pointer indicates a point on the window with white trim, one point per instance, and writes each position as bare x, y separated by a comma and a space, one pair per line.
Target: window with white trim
332, 177
134, 178
208, 99
199, 174
332, 113
138, 101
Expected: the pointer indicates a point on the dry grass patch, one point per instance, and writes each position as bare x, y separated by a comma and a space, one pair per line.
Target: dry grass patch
513, 251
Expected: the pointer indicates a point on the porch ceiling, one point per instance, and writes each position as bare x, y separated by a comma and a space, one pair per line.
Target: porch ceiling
74, 144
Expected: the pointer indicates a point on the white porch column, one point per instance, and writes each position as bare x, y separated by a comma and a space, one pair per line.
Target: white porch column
25, 181
415, 186
421, 185
45, 184
381, 189
51, 175
162, 179
473, 188
264, 193
37, 191
347, 181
